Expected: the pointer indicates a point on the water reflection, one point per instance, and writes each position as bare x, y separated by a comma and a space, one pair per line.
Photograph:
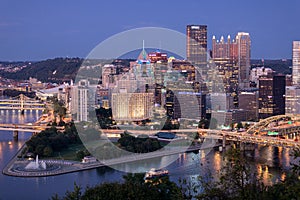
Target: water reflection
217, 161
286, 158
279, 150
268, 161
15, 117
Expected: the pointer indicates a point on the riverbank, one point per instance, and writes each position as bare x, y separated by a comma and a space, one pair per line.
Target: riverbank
16, 166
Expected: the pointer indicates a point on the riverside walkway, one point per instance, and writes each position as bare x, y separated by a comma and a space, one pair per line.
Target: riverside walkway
15, 166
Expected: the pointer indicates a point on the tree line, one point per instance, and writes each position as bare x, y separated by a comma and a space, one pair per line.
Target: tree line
142, 144
51, 140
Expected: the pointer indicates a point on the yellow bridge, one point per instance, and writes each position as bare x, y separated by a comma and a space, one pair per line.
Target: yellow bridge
22, 103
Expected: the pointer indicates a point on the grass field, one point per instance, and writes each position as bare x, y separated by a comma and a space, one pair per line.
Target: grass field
69, 153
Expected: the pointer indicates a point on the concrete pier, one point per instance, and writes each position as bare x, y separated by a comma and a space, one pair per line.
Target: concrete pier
15, 134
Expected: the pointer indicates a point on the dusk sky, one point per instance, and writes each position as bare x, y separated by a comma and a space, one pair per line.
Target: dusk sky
36, 30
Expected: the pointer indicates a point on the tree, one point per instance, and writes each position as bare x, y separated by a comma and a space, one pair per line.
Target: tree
59, 109
50, 140
239, 126
48, 151
167, 124
296, 166
203, 123
39, 150
138, 145
80, 154
236, 180
236, 173
134, 187
104, 117
72, 195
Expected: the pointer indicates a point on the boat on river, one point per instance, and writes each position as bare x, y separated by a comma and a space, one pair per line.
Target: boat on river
155, 173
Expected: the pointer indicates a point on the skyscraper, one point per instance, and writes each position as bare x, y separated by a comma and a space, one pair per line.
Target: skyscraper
244, 47
132, 106
296, 62
271, 96
248, 101
237, 53
82, 100
196, 46
108, 72
229, 71
132, 98
292, 99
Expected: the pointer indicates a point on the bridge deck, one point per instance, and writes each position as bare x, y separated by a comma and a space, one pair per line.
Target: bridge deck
219, 134
26, 127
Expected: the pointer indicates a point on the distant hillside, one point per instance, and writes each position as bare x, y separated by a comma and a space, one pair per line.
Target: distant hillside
280, 66
64, 69
54, 70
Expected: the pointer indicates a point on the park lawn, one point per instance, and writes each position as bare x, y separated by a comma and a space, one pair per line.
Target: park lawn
68, 153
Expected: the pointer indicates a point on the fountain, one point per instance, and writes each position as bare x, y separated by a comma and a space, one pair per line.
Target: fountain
36, 165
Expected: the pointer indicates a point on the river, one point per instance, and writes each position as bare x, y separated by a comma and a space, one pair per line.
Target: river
269, 161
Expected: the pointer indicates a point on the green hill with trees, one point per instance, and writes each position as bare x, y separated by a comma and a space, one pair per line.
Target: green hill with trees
55, 70
282, 66
52, 70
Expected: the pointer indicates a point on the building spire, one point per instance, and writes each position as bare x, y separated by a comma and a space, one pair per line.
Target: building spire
143, 45
144, 52
143, 55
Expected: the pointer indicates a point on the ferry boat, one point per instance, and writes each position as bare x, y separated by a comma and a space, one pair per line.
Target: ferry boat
156, 173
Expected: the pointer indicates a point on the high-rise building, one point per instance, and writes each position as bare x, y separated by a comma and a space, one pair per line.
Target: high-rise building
132, 98
244, 54
296, 62
237, 51
223, 49
221, 106
108, 72
188, 105
248, 101
292, 100
102, 95
183, 98
271, 96
221, 101
159, 63
196, 47
158, 57
229, 71
288, 80
83, 99
132, 106
255, 73
185, 69
228, 117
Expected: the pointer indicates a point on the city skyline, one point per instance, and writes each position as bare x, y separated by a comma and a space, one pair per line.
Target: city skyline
32, 32
149, 99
